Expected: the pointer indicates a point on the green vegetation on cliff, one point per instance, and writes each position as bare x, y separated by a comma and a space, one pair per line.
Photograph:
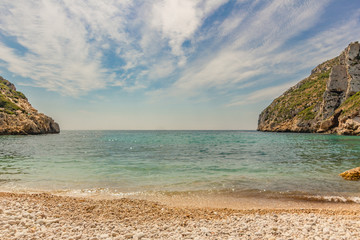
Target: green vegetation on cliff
8, 106
308, 113
9, 97
351, 105
6, 89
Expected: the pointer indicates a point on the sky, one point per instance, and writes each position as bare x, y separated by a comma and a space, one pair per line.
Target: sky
166, 64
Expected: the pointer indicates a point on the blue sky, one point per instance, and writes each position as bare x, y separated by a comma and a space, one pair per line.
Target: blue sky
166, 64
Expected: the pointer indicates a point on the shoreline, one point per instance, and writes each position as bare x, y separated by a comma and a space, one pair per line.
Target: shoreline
44, 215
211, 199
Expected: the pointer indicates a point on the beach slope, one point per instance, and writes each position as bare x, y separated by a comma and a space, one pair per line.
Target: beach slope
46, 216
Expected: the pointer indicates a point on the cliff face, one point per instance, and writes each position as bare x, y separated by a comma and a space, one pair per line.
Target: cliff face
17, 116
328, 101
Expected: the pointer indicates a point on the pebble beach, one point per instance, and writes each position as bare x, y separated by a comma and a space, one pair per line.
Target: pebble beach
47, 216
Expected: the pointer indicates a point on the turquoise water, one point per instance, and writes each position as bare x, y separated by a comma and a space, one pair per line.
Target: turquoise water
225, 162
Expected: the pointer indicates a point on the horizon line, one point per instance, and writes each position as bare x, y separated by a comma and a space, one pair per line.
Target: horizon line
158, 130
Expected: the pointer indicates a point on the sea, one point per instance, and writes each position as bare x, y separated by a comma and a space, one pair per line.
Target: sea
219, 163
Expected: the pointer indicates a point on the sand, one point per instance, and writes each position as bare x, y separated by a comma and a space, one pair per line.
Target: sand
46, 216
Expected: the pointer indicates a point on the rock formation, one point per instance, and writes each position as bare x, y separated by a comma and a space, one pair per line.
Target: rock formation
352, 174
18, 117
328, 101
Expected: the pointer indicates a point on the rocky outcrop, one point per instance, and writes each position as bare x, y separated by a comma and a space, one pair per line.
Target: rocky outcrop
335, 92
328, 101
352, 174
18, 117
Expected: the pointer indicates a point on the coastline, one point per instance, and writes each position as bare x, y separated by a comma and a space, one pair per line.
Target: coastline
46, 216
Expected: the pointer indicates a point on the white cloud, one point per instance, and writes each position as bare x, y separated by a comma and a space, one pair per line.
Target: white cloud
231, 23
226, 68
60, 54
67, 41
178, 20
162, 69
236, 62
106, 19
263, 94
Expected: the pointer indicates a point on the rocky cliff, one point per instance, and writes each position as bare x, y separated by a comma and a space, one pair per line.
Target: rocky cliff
17, 116
328, 101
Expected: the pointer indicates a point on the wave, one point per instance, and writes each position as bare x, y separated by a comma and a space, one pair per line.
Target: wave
334, 199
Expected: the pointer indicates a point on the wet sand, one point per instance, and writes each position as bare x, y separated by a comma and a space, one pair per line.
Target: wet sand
249, 202
46, 216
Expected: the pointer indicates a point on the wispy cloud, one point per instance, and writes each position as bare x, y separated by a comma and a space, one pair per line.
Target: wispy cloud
63, 50
168, 48
178, 20
260, 95
250, 52
67, 41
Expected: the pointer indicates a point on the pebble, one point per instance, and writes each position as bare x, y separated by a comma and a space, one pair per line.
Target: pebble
39, 221
128, 236
139, 236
